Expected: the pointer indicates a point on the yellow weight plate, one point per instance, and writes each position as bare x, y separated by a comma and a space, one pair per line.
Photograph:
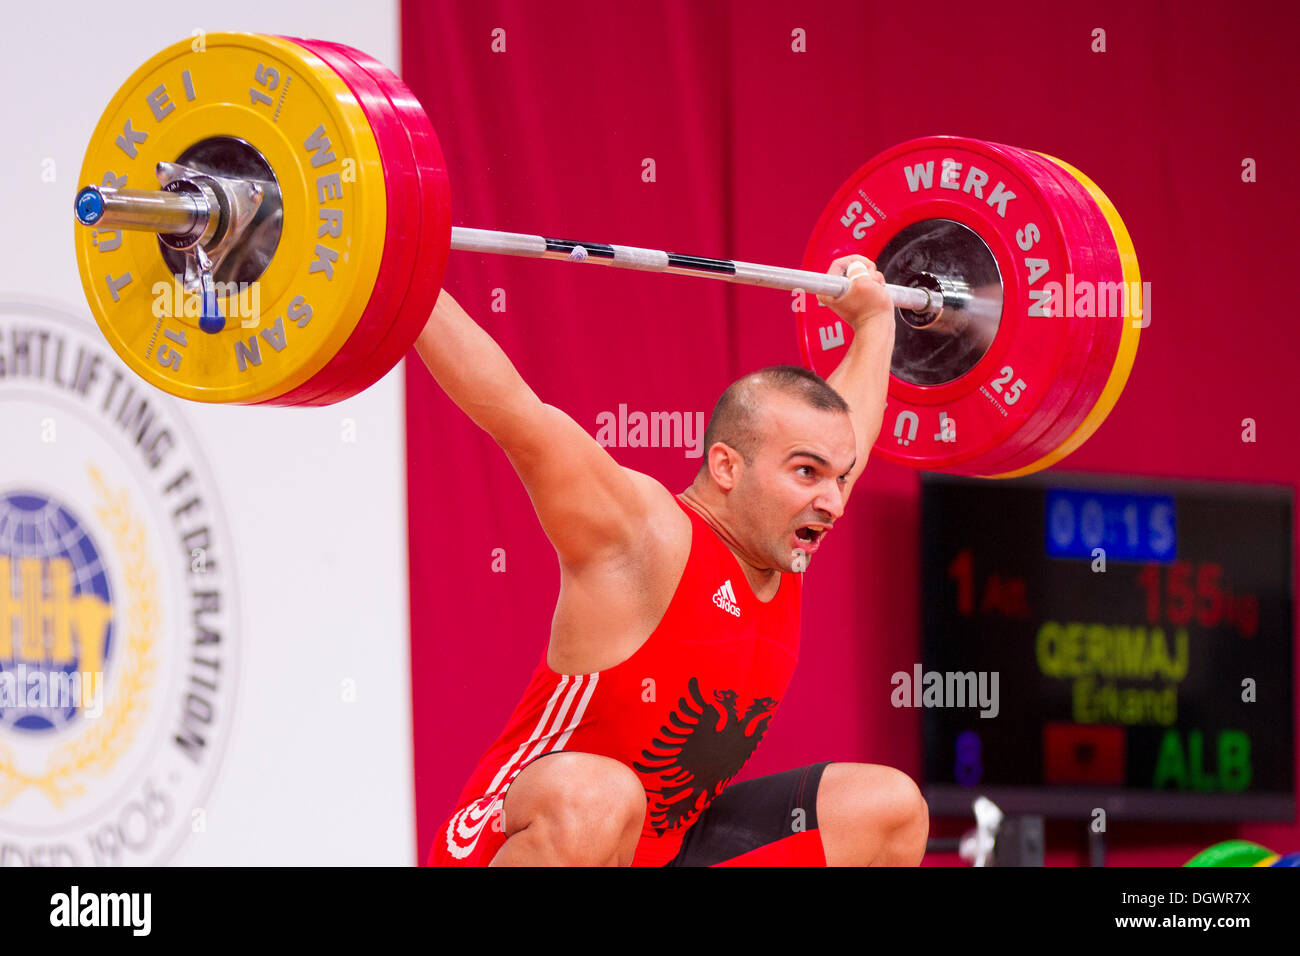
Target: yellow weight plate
1134, 318
302, 118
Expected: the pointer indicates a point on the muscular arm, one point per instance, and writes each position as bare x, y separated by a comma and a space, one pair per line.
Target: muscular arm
862, 379
589, 506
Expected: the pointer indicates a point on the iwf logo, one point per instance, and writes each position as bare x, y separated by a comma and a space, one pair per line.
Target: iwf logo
118, 618
54, 594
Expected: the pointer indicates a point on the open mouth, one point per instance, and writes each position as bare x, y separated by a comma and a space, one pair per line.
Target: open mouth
809, 536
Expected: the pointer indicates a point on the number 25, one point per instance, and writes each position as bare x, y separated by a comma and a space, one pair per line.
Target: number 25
1013, 392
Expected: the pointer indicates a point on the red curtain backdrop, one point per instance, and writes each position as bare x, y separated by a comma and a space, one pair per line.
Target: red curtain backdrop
749, 140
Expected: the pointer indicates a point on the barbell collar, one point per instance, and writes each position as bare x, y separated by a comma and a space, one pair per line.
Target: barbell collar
142, 210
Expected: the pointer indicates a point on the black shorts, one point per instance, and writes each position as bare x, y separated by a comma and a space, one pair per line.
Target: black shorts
753, 814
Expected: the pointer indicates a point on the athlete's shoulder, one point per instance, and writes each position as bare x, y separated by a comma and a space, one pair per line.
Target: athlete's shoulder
663, 512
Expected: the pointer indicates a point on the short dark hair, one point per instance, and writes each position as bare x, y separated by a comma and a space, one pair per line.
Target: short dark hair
734, 421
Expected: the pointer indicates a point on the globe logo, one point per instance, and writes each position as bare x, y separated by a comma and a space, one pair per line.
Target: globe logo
56, 614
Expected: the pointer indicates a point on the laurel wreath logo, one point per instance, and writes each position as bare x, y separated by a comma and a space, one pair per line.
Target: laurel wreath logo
95, 752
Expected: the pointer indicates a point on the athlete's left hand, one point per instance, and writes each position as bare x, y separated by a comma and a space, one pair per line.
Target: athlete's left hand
866, 304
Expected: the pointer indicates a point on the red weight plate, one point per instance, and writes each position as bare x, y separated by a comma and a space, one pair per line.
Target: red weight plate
1012, 380
1130, 333
400, 240
1086, 293
434, 199
1070, 207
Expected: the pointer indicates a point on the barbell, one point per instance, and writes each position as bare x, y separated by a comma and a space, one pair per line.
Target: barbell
301, 231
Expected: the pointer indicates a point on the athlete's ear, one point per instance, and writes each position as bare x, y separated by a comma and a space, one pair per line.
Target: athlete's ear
724, 465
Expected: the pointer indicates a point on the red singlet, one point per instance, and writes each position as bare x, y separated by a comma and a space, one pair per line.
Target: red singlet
684, 712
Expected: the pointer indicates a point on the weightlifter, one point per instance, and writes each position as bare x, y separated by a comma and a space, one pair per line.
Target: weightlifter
698, 593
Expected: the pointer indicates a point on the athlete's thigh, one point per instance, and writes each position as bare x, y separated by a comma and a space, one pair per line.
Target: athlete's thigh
768, 821
565, 779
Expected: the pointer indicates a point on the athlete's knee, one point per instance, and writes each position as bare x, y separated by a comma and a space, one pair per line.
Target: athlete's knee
583, 809
908, 816
873, 815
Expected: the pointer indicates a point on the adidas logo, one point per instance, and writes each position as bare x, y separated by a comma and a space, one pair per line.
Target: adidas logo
725, 598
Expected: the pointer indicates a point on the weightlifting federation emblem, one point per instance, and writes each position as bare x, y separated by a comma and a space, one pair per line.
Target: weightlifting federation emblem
118, 615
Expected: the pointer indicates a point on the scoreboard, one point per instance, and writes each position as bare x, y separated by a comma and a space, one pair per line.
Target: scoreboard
1139, 638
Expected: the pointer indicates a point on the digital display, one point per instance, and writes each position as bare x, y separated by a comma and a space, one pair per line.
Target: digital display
1128, 527
1137, 638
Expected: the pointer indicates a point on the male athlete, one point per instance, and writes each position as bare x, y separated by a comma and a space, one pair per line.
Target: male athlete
676, 631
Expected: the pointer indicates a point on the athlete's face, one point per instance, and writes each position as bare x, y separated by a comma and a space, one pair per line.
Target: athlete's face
793, 491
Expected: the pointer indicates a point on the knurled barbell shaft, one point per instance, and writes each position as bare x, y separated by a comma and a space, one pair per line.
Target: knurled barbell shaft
655, 260
180, 214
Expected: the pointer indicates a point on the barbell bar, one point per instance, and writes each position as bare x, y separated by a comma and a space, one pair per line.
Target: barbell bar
182, 214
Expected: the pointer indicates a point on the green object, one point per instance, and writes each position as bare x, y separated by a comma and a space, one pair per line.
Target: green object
1230, 853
